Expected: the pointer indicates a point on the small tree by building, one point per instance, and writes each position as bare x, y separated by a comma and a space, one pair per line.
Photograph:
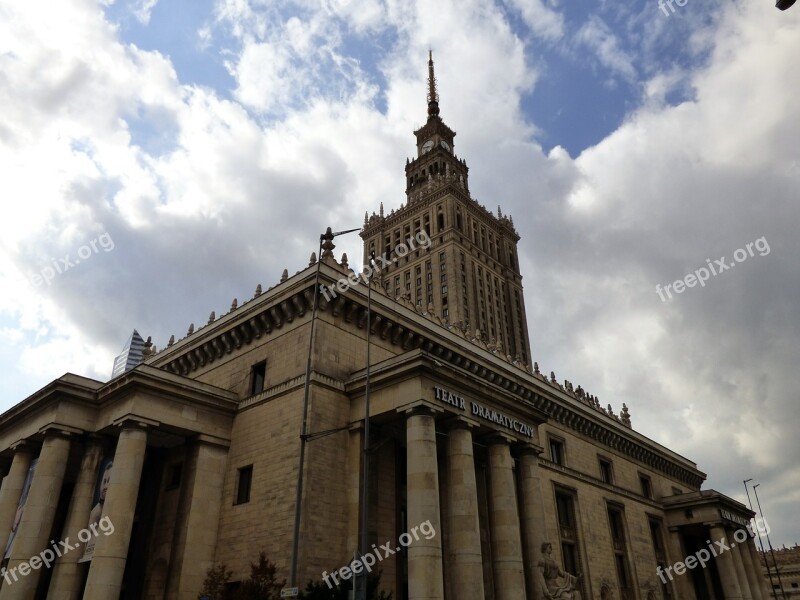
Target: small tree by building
262, 585
319, 590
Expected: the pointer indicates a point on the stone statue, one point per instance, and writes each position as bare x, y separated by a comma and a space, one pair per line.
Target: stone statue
550, 572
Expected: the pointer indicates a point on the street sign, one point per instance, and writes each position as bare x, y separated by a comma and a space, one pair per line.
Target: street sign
290, 592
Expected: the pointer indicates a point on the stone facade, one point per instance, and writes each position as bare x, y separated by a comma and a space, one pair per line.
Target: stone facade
787, 561
506, 477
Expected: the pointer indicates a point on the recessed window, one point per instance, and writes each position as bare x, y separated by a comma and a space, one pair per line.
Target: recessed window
259, 372
646, 485
243, 484
606, 472
557, 451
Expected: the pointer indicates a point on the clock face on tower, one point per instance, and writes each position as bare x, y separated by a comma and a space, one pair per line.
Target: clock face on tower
445, 145
427, 146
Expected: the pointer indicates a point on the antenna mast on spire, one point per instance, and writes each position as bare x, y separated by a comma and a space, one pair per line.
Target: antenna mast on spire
433, 96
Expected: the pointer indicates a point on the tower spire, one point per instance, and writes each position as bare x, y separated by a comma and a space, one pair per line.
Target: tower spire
433, 96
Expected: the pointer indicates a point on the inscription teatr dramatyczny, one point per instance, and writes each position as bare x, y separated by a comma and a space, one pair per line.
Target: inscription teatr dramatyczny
487, 414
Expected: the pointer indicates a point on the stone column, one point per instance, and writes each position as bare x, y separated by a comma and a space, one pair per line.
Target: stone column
425, 579
726, 565
355, 454
675, 552
66, 581
11, 490
738, 561
201, 501
532, 511
33, 534
509, 576
465, 563
111, 551
753, 576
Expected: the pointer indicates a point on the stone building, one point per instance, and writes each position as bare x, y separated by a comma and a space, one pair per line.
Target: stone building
787, 561
191, 458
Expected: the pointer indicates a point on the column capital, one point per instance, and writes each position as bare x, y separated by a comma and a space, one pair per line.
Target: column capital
461, 422
203, 439
420, 407
57, 429
25, 446
130, 421
528, 449
500, 438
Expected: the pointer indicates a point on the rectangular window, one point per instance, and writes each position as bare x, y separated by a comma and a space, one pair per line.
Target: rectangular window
568, 533
657, 536
243, 484
606, 472
257, 375
557, 451
647, 486
616, 524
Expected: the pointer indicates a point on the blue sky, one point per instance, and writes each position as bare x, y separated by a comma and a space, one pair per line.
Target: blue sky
213, 140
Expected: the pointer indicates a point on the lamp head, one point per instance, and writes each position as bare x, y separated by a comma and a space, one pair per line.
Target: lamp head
784, 4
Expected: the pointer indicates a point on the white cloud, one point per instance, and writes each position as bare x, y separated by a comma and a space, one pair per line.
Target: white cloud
544, 21
143, 9
599, 40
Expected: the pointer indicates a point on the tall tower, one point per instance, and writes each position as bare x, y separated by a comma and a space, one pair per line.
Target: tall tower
470, 274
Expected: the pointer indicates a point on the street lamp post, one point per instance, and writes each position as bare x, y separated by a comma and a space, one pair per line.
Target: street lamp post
769, 543
327, 236
362, 594
760, 541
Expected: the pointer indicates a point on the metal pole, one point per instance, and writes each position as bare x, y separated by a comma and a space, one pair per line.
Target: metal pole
771, 551
304, 428
760, 541
365, 490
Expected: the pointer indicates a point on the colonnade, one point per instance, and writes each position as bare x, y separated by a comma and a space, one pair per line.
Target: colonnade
205, 476
510, 533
